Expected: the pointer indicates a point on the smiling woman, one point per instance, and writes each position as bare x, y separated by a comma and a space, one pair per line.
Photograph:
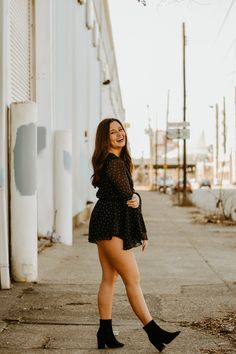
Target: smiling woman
118, 210
117, 226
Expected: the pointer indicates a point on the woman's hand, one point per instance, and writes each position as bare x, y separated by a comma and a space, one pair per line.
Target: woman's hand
144, 245
134, 202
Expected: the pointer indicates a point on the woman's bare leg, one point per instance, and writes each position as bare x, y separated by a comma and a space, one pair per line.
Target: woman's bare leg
124, 262
106, 289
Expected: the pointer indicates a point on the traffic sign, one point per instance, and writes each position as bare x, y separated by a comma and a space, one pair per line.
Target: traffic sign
178, 134
178, 124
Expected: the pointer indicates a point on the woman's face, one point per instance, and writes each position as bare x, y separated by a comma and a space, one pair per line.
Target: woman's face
117, 137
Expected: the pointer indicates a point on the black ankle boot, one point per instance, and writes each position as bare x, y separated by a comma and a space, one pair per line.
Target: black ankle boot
158, 336
153, 337
105, 336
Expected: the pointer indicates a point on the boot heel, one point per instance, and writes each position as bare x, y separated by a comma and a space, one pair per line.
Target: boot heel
159, 346
101, 343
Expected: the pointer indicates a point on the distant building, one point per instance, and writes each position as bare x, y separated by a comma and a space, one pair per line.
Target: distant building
199, 160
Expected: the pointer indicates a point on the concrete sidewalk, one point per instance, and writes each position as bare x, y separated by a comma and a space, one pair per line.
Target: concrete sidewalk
188, 275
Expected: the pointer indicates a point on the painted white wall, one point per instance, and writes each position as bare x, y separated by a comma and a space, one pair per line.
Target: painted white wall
4, 237
94, 110
44, 98
64, 63
107, 109
82, 102
111, 99
63, 185
69, 95
207, 200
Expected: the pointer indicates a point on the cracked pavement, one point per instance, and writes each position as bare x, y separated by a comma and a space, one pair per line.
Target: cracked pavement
188, 274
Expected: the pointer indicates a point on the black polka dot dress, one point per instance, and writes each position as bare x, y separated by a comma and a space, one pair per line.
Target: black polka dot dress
111, 215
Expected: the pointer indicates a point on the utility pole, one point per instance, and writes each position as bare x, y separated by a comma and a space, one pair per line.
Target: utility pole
224, 127
178, 172
184, 117
224, 148
220, 201
235, 134
165, 154
217, 141
149, 131
156, 153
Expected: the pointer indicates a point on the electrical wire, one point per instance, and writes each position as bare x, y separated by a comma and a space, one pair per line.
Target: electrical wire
225, 18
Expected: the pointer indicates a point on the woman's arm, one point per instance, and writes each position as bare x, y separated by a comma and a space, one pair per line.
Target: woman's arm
116, 171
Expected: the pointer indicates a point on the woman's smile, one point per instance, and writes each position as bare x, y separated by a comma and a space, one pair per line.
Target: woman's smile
120, 140
117, 137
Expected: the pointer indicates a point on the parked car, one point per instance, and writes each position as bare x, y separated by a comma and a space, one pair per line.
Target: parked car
179, 186
162, 183
204, 183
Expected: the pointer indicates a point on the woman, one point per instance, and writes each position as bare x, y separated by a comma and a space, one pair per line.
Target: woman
116, 226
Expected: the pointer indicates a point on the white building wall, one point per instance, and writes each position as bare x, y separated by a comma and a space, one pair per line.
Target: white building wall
66, 115
44, 99
94, 111
64, 63
88, 107
4, 227
111, 101
69, 94
81, 123
107, 109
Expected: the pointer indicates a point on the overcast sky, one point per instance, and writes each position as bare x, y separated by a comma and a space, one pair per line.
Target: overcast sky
148, 44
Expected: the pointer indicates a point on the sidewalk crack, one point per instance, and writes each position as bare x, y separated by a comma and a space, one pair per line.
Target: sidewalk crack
208, 263
45, 344
4, 327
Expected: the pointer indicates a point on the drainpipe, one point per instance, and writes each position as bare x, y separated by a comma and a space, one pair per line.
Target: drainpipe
23, 159
63, 185
4, 244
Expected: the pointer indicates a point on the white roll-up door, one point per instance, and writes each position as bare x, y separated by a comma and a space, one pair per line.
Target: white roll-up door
21, 50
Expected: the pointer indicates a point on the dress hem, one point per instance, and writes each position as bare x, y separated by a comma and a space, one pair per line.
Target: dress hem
109, 237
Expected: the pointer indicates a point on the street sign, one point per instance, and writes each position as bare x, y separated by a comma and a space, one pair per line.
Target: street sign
178, 134
177, 130
178, 124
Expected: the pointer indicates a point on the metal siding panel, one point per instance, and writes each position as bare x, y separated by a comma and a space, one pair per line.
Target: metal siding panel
20, 40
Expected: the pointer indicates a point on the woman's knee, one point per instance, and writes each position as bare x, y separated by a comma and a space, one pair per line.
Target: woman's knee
110, 278
131, 278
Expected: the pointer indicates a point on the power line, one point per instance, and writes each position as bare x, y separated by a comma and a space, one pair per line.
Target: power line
232, 45
225, 18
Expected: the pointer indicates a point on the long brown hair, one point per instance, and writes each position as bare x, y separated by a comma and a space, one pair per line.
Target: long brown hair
102, 145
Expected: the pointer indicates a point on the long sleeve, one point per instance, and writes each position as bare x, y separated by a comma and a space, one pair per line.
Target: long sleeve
117, 173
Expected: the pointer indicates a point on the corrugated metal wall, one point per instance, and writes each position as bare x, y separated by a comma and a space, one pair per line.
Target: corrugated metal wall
21, 50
